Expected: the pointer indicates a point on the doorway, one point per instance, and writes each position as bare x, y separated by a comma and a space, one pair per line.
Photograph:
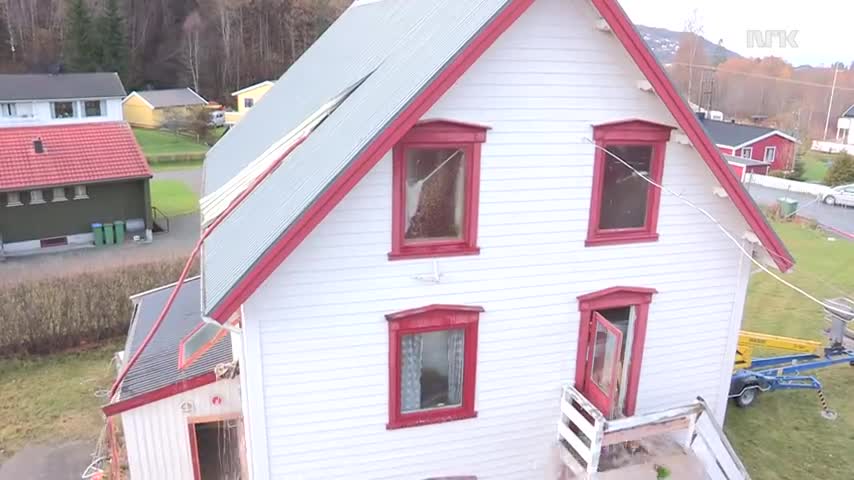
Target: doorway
217, 449
610, 348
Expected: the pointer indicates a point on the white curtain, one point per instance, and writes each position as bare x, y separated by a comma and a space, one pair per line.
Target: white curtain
456, 353
410, 374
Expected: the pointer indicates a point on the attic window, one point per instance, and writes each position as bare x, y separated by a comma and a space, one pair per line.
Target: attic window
436, 189
38, 146
624, 205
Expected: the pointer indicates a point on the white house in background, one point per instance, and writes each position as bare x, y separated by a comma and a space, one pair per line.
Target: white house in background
54, 99
444, 275
845, 127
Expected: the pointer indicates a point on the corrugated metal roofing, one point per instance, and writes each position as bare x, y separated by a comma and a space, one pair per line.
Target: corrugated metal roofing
402, 45
157, 367
745, 161
733, 134
72, 154
173, 97
36, 86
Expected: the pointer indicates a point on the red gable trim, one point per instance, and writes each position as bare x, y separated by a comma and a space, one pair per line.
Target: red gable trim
625, 33
159, 394
649, 66
286, 244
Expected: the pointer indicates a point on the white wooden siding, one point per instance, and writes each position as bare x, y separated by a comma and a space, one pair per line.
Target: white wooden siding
318, 324
42, 114
157, 435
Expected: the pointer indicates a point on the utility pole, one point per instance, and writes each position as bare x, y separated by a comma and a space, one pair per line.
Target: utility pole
830, 104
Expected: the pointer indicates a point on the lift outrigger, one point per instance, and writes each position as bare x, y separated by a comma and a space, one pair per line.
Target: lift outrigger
753, 375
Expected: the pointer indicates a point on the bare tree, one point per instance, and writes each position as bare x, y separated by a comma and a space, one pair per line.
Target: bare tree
192, 46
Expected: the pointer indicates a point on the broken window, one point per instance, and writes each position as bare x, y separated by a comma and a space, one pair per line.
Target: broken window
435, 194
625, 194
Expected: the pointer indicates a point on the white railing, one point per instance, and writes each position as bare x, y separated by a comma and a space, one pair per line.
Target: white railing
831, 147
787, 185
585, 431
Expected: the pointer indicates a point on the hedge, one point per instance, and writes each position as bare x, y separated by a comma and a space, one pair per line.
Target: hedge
62, 312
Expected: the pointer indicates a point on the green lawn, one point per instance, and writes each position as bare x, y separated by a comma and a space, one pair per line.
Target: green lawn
173, 197
816, 165
783, 437
52, 398
161, 143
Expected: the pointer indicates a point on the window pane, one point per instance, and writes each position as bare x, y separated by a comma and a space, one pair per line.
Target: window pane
432, 370
602, 371
435, 194
63, 110
93, 108
624, 193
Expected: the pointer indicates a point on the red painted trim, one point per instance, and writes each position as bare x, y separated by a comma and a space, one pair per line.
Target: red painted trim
626, 33
159, 394
186, 362
634, 133
603, 400
615, 297
436, 135
634, 45
430, 319
324, 204
194, 451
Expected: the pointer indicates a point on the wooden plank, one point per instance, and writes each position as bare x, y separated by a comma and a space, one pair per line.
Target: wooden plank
638, 433
580, 448
577, 419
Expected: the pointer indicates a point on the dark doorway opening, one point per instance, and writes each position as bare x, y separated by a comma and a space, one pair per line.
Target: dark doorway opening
217, 448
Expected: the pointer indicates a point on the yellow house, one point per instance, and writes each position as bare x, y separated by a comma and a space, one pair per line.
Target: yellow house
150, 108
246, 99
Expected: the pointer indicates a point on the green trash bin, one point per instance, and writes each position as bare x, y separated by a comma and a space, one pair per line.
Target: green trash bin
98, 232
788, 206
109, 234
119, 227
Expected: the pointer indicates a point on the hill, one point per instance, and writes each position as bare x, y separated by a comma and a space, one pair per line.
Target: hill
664, 44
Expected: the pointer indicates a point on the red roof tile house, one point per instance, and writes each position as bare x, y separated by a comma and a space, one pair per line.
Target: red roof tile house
57, 180
440, 251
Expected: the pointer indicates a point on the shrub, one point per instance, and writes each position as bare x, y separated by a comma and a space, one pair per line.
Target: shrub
777, 173
841, 172
797, 172
47, 315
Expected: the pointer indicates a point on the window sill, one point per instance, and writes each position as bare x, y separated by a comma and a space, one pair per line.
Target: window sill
417, 420
621, 239
433, 252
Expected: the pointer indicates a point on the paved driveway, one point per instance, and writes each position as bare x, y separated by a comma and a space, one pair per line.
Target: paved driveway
839, 218
43, 462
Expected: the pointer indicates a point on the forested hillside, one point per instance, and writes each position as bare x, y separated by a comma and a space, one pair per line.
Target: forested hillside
216, 46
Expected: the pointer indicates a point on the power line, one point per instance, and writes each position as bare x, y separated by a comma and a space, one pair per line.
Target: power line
766, 77
723, 229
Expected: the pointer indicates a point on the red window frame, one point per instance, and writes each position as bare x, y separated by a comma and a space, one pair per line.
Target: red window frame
627, 133
615, 297
438, 134
432, 318
185, 361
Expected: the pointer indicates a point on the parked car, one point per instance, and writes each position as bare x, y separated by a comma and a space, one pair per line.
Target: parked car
841, 195
217, 118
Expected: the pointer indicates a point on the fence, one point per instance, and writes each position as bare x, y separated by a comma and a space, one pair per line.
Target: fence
786, 185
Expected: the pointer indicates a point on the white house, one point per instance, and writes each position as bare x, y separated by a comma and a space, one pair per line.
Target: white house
844, 127
60, 99
439, 272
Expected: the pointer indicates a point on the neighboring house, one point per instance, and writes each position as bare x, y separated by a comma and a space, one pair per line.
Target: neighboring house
57, 180
246, 99
168, 400
845, 126
60, 99
768, 145
443, 264
151, 108
742, 166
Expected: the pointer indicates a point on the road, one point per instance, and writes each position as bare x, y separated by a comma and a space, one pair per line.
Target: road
839, 218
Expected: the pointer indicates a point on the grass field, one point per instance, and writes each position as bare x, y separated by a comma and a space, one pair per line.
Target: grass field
816, 165
156, 142
173, 197
52, 398
783, 437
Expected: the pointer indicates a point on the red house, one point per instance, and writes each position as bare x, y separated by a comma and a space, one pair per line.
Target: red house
768, 145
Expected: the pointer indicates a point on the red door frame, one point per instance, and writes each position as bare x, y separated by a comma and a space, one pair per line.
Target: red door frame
615, 297
194, 442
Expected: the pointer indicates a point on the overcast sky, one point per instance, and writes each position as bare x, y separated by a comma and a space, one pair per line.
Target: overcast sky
824, 26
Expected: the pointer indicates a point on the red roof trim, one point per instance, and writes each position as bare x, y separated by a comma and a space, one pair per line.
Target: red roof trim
634, 45
159, 394
369, 157
649, 66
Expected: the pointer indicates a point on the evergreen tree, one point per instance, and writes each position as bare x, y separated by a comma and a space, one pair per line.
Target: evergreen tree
114, 48
82, 55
